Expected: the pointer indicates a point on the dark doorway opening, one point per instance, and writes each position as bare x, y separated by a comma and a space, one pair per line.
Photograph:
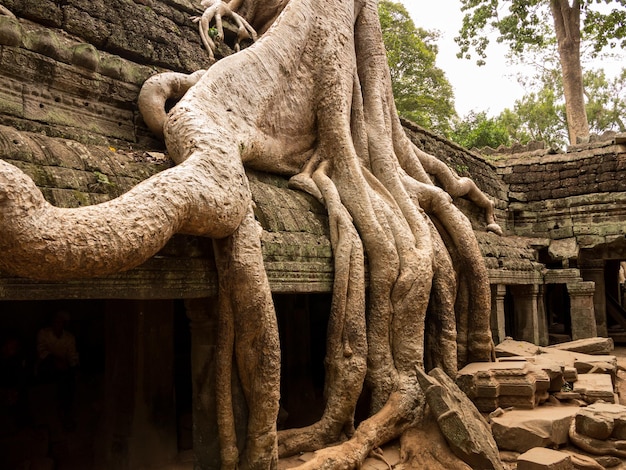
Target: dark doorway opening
558, 313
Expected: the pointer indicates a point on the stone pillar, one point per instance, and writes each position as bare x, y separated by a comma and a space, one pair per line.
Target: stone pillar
544, 334
139, 417
526, 313
498, 320
202, 314
595, 272
582, 309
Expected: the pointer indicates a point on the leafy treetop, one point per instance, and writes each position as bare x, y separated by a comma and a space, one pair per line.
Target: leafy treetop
523, 23
421, 90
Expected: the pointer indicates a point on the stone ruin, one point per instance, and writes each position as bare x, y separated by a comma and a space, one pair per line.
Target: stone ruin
68, 118
555, 407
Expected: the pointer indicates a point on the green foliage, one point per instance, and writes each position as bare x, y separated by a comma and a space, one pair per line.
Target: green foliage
477, 130
528, 23
421, 90
606, 101
606, 28
540, 115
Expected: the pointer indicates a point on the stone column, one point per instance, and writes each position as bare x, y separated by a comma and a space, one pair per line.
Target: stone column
202, 314
544, 334
498, 320
526, 313
595, 272
582, 309
139, 416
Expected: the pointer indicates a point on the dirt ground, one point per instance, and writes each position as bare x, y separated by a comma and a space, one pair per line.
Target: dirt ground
392, 452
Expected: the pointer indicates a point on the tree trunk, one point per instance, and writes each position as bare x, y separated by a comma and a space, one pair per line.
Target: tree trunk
567, 27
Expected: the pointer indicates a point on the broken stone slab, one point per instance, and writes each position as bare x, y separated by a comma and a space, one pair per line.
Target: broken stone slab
531, 352
553, 369
545, 426
491, 385
556, 371
600, 367
563, 396
594, 446
583, 462
510, 347
595, 387
592, 425
463, 427
608, 461
602, 421
539, 458
593, 346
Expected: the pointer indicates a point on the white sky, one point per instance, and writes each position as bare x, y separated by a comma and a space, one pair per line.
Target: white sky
491, 87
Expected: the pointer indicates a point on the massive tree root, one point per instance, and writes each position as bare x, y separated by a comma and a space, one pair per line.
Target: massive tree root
310, 99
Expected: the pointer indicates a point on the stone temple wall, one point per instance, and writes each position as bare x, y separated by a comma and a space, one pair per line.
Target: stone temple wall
150, 32
74, 69
577, 195
70, 75
464, 163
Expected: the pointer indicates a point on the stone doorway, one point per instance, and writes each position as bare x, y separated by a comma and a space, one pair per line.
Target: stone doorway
125, 394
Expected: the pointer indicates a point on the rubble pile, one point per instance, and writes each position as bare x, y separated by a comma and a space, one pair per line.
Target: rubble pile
551, 407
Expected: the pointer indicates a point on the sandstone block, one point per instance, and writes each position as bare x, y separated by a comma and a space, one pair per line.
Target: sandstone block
593, 425
521, 430
510, 347
465, 430
602, 421
594, 387
544, 459
591, 346
567, 396
504, 384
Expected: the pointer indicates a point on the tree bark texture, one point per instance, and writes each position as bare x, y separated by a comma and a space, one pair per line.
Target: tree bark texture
567, 27
310, 99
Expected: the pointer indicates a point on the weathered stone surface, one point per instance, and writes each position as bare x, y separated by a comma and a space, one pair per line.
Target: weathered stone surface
544, 459
583, 462
594, 387
554, 369
608, 461
596, 367
567, 395
594, 425
504, 384
592, 346
545, 426
549, 355
610, 447
460, 422
510, 347
602, 420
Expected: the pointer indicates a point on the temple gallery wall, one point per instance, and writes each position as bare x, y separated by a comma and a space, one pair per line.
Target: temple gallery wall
69, 81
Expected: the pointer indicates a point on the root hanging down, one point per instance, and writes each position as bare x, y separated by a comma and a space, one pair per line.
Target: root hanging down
310, 99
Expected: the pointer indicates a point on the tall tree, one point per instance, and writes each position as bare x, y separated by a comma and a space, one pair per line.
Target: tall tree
540, 115
421, 90
603, 22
